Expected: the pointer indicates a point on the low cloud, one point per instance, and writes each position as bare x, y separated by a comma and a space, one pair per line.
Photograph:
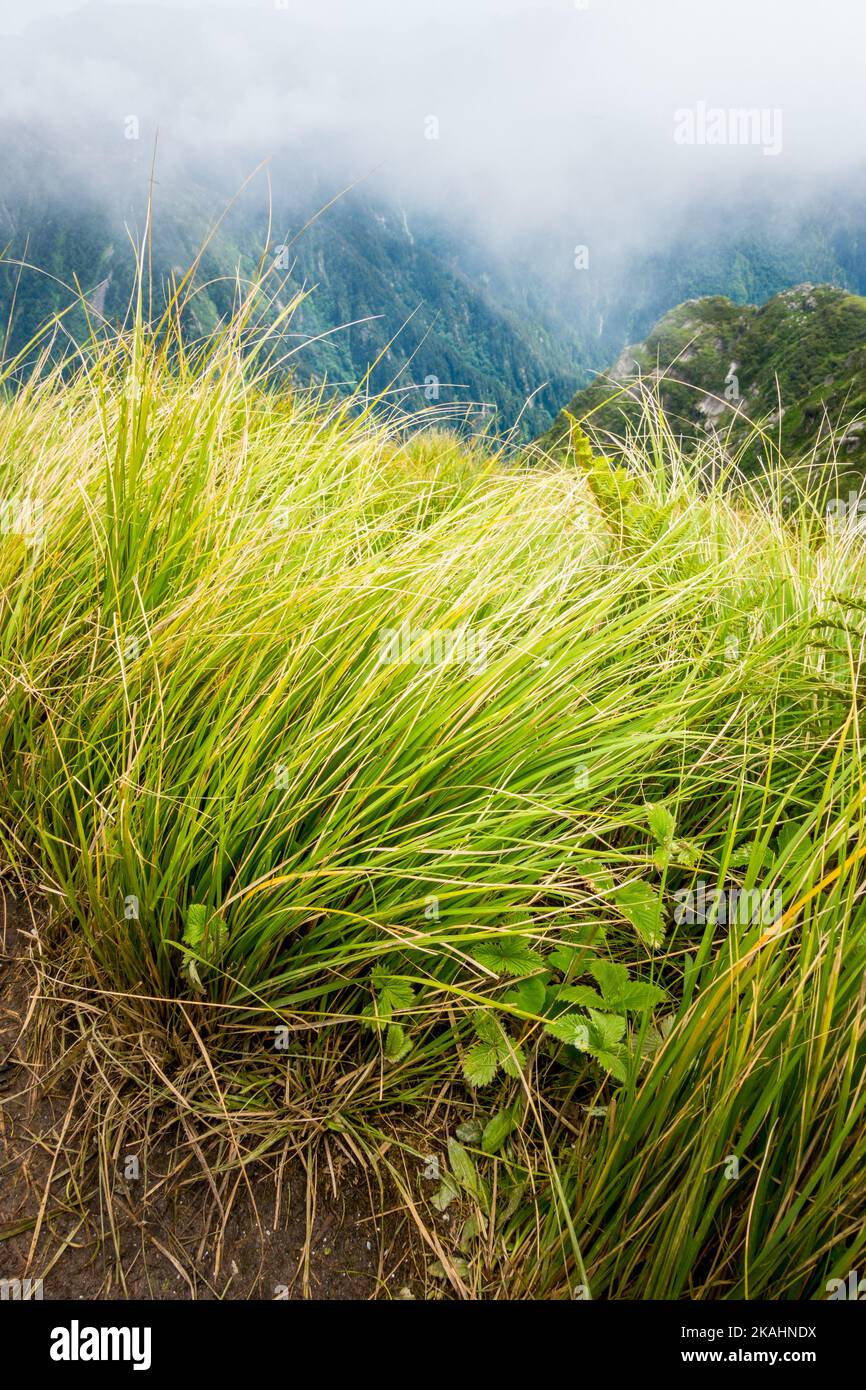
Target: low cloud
525, 118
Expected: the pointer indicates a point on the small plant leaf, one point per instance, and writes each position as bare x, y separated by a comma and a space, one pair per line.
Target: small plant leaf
570, 1028
469, 1132
480, 1064
605, 1030
392, 995
568, 959
463, 1169
613, 1061
513, 1061
194, 925
510, 955
661, 822
639, 904
397, 1044
612, 980
497, 1130
638, 994
581, 994
528, 996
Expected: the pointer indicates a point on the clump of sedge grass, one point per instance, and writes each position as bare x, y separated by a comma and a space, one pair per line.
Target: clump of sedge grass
365, 769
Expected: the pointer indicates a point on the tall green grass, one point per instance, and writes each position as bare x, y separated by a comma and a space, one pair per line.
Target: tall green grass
255, 808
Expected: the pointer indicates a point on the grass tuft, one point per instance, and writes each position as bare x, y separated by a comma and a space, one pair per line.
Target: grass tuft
379, 781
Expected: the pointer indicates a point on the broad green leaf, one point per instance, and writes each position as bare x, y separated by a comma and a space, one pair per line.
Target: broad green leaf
686, 853
639, 995
612, 979
600, 879
528, 996
437, 1270
513, 1060
194, 925
488, 1028
446, 1193
463, 1169
639, 904
497, 1130
581, 994
568, 959
605, 1030
614, 1061
392, 993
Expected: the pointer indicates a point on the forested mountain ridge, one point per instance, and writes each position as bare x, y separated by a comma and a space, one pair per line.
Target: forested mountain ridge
383, 295
422, 307
796, 363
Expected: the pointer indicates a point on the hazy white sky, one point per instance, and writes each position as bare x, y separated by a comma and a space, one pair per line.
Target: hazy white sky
546, 109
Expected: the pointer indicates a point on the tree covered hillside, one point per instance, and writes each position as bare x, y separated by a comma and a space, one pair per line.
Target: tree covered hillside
796, 364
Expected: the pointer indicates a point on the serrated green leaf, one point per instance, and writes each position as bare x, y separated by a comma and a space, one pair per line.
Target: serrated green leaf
392, 994
397, 1044
509, 955
640, 995
613, 1061
600, 879
528, 996
487, 1028
194, 925
204, 932
580, 994
605, 1030
568, 959
570, 1028
494, 1044
480, 1063
639, 904
661, 822
612, 979
513, 1061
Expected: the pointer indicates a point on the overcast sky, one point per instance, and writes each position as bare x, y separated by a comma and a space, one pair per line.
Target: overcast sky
547, 110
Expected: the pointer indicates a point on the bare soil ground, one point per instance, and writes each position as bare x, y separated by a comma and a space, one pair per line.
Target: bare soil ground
321, 1230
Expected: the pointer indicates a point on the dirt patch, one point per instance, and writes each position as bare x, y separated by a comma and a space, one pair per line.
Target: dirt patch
311, 1226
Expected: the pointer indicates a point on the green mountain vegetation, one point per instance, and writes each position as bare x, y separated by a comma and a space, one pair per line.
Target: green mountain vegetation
389, 799
795, 365
415, 311
414, 305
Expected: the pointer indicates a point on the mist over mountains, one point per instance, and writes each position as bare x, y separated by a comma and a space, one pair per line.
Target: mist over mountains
508, 227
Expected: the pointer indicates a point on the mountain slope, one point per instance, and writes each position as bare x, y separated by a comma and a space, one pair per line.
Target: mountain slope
447, 318
442, 320
720, 366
